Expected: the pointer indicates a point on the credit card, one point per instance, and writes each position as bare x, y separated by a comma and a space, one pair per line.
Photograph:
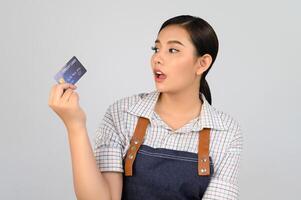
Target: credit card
71, 72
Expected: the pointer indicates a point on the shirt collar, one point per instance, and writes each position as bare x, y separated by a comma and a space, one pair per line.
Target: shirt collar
208, 118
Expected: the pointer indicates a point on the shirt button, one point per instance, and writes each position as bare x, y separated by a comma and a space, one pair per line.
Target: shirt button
203, 170
131, 156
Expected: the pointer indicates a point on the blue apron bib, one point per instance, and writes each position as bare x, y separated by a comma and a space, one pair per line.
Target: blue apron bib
165, 174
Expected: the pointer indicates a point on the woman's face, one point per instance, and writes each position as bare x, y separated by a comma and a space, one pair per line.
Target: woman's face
174, 55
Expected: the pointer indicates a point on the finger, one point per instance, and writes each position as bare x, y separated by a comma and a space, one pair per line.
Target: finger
73, 97
51, 94
67, 95
60, 90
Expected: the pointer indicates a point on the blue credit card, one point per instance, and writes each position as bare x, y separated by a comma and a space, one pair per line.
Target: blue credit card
71, 72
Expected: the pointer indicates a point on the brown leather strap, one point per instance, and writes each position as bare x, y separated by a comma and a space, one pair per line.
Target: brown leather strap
135, 143
203, 152
137, 140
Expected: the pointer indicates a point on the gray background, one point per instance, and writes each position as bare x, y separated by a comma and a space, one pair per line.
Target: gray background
255, 79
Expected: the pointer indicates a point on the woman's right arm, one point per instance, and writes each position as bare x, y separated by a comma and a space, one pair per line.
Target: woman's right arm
89, 182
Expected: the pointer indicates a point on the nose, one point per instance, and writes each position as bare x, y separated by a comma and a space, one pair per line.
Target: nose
157, 58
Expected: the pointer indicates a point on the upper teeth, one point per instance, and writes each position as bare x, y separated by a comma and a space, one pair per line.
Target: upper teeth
159, 72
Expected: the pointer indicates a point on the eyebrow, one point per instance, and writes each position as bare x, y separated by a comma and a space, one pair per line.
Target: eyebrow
170, 41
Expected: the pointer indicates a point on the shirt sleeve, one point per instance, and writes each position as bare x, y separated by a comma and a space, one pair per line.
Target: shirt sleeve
224, 182
108, 144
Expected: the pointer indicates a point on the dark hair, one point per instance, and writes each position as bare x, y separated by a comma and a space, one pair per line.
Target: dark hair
203, 38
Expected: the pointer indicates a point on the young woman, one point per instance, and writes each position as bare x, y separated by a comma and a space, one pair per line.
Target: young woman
169, 143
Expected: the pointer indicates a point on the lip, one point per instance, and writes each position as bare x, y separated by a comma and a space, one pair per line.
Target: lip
158, 80
158, 70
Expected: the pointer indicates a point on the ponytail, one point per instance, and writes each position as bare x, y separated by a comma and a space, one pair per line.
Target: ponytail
204, 89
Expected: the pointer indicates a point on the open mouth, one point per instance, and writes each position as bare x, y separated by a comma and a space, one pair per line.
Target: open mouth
160, 75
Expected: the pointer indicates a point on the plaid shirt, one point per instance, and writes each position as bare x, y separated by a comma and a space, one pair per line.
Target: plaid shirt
112, 139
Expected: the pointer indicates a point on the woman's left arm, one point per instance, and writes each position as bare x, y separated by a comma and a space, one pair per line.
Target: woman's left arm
224, 182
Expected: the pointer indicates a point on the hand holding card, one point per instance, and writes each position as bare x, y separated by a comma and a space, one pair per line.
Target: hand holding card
71, 72
65, 102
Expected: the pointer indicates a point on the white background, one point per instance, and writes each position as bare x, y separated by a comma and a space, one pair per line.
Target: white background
255, 79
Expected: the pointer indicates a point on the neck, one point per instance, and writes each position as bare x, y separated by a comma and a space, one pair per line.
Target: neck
183, 103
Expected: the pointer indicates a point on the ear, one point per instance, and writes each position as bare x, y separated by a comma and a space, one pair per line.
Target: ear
203, 63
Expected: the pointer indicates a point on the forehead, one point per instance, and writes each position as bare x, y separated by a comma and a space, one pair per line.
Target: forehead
174, 32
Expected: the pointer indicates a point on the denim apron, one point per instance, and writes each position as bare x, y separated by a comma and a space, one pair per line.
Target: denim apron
165, 174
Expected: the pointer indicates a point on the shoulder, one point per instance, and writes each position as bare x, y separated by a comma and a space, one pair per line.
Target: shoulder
233, 129
230, 122
122, 104
115, 119
228, 138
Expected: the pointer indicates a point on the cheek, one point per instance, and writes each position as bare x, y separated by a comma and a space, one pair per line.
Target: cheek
184, 77
183, 71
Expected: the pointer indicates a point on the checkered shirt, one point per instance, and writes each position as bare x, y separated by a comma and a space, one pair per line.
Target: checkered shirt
113, 134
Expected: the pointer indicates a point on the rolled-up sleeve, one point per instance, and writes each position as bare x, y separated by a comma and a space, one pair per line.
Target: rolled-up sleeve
108, 144
224, 182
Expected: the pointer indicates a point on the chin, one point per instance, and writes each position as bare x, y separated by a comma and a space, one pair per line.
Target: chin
160, 88
164, 90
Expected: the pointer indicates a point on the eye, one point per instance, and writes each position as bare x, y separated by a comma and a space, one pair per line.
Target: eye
170, 50
154, 48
